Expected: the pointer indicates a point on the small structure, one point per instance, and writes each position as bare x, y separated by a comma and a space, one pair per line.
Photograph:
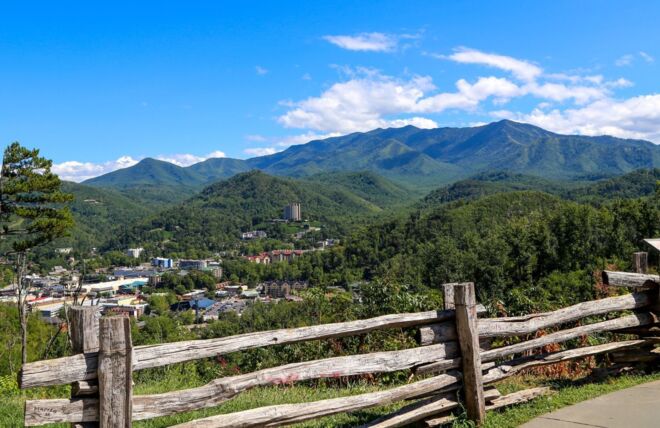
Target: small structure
161, 262
261, 258
199, 304
192, 264
254, 234
134, 252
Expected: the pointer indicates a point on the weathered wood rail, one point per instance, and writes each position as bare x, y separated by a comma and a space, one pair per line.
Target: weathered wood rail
451, 348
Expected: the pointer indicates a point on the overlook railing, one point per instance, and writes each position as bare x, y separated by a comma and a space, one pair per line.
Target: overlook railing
454, 354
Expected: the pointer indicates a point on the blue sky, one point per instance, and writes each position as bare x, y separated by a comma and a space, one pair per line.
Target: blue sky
100, 87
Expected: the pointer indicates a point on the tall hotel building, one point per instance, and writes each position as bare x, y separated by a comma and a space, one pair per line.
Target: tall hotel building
292, 212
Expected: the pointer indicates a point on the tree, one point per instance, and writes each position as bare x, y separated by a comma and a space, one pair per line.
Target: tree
31, 214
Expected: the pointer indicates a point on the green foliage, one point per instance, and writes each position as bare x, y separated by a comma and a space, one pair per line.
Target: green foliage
31, 210
182, 284
99, 214
525, 251
628, 186
39, 335
369, 186
215, 218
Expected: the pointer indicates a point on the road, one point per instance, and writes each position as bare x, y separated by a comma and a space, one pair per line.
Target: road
637, 407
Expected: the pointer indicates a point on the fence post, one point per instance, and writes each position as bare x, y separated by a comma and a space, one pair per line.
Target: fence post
84, 330
115, 372
468, 337
448, 295
640, 262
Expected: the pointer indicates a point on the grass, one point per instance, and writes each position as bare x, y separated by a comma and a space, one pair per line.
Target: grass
568, 392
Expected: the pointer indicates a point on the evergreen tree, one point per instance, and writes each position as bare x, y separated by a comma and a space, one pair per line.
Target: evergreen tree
31, 213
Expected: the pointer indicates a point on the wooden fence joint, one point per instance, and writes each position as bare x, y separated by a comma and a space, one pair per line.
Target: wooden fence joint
115, 371
465, 302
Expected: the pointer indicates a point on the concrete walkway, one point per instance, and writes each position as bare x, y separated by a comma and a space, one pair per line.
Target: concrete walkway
637, 407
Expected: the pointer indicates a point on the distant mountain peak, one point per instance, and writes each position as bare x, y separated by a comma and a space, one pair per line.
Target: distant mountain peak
417, 156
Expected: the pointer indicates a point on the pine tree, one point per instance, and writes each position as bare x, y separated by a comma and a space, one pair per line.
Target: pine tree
32, 213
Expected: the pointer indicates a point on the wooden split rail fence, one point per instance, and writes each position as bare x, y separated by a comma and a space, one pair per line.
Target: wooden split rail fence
452, 356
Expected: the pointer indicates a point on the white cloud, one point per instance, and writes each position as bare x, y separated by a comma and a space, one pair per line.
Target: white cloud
372, 42
260, 70
187, 159
369, 99
306, 76
293, 140
260, 151
636, 117
523, 70
646, 57
628, 59
624, 60
81, 171
255, 138
357, 104
580, 88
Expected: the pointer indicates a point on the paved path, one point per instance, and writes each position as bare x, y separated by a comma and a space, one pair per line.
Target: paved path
637, 407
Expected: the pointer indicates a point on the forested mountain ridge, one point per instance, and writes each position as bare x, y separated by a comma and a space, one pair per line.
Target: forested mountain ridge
423, 158
370, 187
99, 214
635, 184
523, 249
215, 217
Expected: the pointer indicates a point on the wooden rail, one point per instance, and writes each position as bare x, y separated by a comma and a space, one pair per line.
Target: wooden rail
450, 339
84, 366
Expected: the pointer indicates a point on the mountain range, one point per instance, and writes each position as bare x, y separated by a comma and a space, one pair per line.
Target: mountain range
342, 181
214, 217
421, 158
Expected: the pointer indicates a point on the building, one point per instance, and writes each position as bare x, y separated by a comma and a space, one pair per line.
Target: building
133, 311
162, 263
124, 272
292, 212
285, 255
327, 243
111, 286
124, 305
50, 311
134, 252
216, 271
250, 294
282, 289
192, 264
199, 304
261, 258
155, 280
254, 234
192, 295
235, 290
275, 256
131, 288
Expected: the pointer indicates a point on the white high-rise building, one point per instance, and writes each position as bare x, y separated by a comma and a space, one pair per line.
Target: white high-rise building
292, 212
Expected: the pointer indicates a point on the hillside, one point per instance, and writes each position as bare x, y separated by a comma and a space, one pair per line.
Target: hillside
99, 214
632, 185
491, 183
421, 158
369, 186
148, 172
214, 218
